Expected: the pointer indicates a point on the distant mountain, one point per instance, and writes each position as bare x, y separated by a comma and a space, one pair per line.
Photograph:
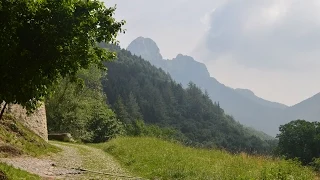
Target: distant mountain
308, 109
250, 95
182, 68
242, 104
147, 48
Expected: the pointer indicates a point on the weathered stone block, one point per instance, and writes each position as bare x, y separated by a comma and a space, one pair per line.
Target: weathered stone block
36, 122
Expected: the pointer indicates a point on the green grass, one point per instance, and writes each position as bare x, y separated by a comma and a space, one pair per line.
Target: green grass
15, 139
12, 173
153, 158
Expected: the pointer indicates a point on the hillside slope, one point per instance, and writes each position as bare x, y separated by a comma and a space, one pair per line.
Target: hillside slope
138, 90
18, 141
247, 108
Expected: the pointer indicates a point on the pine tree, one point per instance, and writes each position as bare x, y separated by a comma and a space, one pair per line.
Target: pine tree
120, 110
133, 108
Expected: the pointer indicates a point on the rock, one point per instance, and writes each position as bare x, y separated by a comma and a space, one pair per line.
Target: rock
65, 137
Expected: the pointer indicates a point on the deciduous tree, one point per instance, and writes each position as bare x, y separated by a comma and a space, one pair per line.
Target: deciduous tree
44, 40
300, 139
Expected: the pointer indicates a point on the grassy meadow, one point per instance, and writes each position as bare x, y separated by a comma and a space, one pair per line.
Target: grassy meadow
157, 159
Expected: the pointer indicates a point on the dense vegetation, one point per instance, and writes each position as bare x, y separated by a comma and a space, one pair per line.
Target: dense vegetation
156, 159
300, 139
80, 108
137, 90
44, 40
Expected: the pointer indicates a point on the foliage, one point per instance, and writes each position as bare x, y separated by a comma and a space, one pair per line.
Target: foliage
44, 40
300, 139
316, 164
138, 90
80, 109
104, 125
13, 173
20, 140
157, 159
139, 128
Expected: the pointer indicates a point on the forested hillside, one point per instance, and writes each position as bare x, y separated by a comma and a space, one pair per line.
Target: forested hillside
243, 104
138, 90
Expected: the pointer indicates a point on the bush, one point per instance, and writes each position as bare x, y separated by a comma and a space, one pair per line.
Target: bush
316, 164
104, 125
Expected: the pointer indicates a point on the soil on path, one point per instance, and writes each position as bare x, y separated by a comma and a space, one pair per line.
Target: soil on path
66, 164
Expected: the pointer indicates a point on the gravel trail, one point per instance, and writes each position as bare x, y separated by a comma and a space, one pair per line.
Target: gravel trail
65, 164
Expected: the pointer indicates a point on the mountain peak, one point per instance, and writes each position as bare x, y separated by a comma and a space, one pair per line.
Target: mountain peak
146, 48
181, 57
185, 64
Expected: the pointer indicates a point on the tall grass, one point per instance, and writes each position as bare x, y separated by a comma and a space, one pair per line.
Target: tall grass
157, 159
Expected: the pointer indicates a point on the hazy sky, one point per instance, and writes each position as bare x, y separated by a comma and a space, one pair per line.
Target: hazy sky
271, 47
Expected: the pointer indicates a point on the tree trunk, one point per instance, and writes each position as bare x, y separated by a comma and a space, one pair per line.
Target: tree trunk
2, 110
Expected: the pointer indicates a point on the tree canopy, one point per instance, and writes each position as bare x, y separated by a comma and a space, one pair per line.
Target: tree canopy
300, 139
81, 109
44, 40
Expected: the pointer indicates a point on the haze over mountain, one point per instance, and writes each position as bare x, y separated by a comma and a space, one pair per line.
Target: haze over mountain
308, 109
242, 43
243, 104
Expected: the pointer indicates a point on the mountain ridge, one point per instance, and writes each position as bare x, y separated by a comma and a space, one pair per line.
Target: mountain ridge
251, 95
244, 105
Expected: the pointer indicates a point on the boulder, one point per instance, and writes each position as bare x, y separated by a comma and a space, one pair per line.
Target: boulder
65, 137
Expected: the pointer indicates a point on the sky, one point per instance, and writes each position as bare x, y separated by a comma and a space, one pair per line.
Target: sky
271, 47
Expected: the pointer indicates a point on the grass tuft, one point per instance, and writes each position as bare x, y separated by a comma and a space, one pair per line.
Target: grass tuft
157, 159
9, 172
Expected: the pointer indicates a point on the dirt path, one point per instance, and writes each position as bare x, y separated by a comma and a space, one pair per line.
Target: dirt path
59, 166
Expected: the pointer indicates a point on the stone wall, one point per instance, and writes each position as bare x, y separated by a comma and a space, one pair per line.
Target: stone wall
37, 121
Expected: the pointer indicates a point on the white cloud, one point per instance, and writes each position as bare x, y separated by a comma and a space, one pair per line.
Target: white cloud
269, 46
266, 34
